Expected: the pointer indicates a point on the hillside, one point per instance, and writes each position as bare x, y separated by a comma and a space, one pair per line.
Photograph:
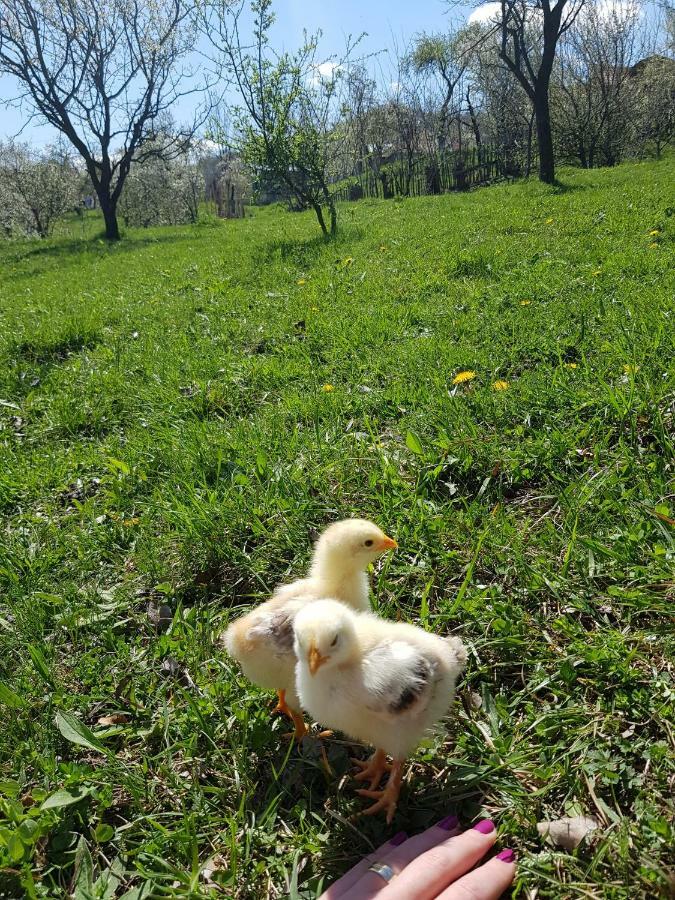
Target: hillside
180, 412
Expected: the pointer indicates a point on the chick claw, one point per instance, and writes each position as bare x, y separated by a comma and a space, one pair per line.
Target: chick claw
373, 768
386, 799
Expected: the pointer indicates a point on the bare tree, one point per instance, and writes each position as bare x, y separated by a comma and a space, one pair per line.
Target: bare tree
358, 110
104, 73
529, 34
590, 84
440, 56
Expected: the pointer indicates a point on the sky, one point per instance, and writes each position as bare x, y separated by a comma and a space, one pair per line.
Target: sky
386, 23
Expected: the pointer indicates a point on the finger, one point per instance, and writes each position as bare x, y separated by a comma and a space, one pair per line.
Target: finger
340, 887
487, 882
371, 884
434, 870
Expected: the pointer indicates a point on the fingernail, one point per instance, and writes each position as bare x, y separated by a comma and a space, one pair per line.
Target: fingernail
506, 856
485, 826
449, 823
398, 839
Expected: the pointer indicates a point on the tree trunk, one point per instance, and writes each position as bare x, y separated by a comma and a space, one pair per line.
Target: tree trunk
109, 210
319, 215
544, 135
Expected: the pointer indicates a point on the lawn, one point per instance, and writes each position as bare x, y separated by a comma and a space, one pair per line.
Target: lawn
179, 415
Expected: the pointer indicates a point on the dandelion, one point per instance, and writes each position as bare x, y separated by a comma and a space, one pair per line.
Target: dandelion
549, 221
463, 377
597, 272
315, 308
348, 261
525, 302
383, 249
654, 232
327, 388
570, 365
500, 385
301, 281
631, 370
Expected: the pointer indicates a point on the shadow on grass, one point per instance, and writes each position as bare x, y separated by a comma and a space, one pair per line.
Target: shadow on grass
306, 250
64, 248
561, 187
432, 790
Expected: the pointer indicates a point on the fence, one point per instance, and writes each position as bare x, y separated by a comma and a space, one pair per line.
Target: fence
453, 172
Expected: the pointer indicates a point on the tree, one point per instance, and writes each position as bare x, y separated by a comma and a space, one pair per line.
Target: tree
291, 105
652, 96
439, 54
529, 34
162, 192
589, 90
104, 73
499, 108
36, 189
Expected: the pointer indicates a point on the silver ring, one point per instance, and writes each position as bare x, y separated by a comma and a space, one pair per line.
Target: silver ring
383, 870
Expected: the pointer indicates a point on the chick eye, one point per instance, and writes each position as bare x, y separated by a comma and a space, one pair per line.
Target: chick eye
333, 643
369, 543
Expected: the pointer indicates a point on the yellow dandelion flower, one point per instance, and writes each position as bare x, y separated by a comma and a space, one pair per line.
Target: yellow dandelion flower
570, 365
327, 388
463, 377
631, 370
525, 302
654, 232
348, 261
549, 221
597, 272
500, 385
301, 281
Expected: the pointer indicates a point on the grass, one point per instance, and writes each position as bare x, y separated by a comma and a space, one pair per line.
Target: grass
169, 449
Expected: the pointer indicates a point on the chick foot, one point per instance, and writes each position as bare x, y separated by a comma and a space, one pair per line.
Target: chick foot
373, 768
386, 799
282, 708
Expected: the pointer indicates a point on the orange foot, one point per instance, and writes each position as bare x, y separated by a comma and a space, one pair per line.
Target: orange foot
301, 728
374, 768
387, 798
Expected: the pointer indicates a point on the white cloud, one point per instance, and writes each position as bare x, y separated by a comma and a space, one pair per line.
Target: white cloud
485, 14
324, 72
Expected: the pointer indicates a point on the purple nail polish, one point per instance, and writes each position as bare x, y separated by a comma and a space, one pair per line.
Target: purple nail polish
398, 839
485, 826
506, 856
449, 823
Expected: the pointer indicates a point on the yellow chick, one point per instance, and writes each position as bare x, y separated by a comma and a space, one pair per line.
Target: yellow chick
384, 683
262, 640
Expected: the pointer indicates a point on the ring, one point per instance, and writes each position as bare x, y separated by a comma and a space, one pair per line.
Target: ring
383, 870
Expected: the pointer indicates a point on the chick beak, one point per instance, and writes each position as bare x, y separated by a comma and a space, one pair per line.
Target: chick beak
315, 659
388, 543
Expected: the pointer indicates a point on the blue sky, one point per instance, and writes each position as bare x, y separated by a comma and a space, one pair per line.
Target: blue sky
385, 22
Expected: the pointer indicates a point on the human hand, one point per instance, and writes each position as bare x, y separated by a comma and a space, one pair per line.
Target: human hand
437, 864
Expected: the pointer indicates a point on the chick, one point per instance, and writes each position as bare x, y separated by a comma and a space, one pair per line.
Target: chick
384, 683
262, 640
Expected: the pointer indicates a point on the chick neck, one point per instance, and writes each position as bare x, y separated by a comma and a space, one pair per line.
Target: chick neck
341, 577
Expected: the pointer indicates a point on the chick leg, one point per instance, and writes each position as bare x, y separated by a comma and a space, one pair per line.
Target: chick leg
301, 729
387, 798
282, 706
373, 768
